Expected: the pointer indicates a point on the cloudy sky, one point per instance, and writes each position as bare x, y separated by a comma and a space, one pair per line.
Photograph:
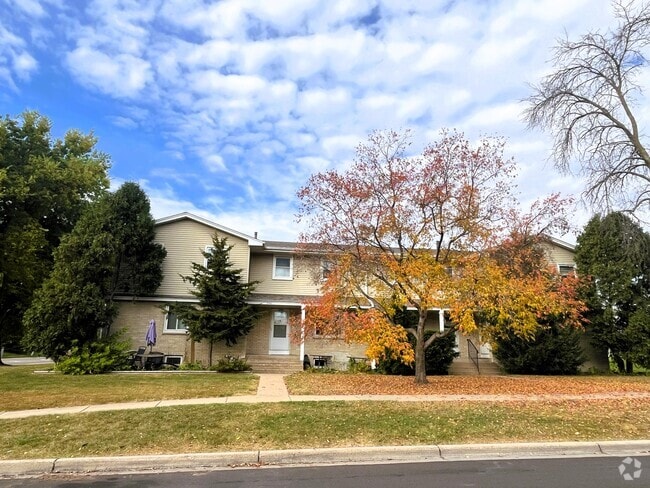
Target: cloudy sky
225, 108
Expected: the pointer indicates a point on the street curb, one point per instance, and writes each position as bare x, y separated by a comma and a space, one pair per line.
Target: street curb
325, 456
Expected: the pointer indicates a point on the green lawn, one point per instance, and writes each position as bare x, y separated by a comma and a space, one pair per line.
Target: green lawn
23, 389
231, 427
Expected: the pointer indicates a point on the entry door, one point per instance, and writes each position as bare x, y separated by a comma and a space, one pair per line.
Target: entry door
485, 351
279, 332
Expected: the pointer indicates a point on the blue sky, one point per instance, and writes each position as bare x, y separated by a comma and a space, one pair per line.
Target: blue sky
225, 108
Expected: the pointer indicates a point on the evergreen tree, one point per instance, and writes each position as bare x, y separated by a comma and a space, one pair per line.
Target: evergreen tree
111, 241
614, 252
138, 267
45, 185
555, 350
222, 313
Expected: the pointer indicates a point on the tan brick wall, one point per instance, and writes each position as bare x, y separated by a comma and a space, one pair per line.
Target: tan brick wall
133, 320
259, 339
337, 348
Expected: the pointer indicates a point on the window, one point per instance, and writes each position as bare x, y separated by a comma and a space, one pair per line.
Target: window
176, 360
208, 249
566, 269
174, 324
280, 322
282, 268
326, 268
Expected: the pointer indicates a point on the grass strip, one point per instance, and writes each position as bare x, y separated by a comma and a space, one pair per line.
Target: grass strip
22, 389
231, 427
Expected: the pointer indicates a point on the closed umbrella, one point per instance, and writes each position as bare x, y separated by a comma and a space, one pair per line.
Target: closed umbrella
150, 338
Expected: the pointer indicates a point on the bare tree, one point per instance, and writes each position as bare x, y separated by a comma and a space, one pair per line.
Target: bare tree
587, 105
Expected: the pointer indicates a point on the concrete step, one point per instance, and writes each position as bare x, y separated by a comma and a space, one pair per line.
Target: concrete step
274, 364
468, 368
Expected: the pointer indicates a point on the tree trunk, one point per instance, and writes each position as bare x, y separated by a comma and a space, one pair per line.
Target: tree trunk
210, 355
629, 366
620, 364
420, 363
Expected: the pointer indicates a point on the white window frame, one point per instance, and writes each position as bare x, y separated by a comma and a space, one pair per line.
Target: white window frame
562, 265
174, 356
209, 248
325, 269
275, 267
176, 330
283, 317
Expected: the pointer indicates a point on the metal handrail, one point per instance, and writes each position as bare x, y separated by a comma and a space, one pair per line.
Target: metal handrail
472, 352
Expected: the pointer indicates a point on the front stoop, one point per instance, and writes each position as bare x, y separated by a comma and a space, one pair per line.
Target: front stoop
274, 364
468, 368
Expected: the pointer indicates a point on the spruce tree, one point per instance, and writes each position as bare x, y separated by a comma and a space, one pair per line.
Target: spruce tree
614, 252
222, 314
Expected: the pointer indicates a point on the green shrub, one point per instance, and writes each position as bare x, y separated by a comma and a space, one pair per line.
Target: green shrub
438, 357
102, 356
192, 366
355, 366
231, 364
555, 350
440, 354
324, 370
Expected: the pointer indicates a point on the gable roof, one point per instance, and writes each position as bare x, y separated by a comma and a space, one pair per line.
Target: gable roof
560, 243
252, 241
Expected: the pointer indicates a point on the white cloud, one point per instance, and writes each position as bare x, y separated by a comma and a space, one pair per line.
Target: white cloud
122, 75
123, 122
497, 115
24, 65
31, 7
258, 95
15, 60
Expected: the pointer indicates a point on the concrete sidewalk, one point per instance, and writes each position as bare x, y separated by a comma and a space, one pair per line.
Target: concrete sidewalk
272, 389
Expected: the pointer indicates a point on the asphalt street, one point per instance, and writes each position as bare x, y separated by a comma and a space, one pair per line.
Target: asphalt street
601, 472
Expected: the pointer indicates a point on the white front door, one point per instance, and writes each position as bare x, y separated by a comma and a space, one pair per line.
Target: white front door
485, 351
279, 343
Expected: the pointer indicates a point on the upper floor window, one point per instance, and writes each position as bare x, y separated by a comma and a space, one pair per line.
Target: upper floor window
209, 250
566, 269
326, 268
282, 268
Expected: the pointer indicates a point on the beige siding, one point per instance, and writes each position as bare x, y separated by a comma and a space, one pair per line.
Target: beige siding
304, 280
184, 241
558, 255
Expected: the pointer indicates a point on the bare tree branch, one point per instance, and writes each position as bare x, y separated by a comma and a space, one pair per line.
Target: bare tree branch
588, 103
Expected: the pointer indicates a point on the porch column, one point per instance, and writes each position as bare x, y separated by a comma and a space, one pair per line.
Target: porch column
441, 319
302, 331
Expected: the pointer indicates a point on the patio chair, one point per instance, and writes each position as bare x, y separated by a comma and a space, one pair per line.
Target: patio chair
138, 358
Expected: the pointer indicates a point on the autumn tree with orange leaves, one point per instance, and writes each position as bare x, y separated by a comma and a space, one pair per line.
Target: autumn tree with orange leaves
439, 230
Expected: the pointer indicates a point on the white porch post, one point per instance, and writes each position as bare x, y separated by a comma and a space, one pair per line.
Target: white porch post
302, 331
441, 320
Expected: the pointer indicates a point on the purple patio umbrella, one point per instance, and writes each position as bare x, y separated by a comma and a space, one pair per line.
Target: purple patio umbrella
150, 338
